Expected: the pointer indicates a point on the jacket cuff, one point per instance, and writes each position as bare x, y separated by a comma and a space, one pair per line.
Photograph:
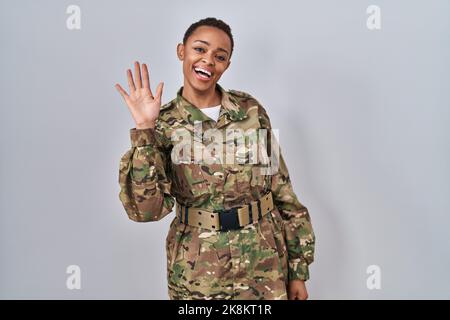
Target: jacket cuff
143, 137
298, 270
139, 218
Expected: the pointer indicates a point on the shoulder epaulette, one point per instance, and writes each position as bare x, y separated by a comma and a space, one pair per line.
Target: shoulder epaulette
240, 93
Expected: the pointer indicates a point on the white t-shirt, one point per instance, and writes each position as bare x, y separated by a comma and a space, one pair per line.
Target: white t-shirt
212, 112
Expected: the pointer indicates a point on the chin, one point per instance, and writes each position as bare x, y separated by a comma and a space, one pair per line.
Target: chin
202, 86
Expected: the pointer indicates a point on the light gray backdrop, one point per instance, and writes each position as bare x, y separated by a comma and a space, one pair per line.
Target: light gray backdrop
364, 127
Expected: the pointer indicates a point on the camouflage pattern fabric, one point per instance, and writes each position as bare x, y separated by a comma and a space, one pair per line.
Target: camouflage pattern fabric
255, 262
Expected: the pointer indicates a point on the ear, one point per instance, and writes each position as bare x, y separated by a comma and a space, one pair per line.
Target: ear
180, 51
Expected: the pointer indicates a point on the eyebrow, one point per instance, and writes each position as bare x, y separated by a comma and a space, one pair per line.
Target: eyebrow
207, 43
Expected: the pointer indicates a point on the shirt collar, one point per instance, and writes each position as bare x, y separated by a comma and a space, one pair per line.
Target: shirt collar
230, 109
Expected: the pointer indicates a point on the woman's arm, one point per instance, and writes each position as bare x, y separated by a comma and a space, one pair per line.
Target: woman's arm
145, 184
299, 234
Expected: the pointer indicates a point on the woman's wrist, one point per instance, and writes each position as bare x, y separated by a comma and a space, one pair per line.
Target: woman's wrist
150, 125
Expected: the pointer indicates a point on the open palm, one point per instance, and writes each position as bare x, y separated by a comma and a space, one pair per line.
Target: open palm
144, 107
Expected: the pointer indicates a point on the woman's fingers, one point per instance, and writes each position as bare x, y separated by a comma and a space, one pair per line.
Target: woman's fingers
130, 81
139, 82
137, 75
122, 92
145, 78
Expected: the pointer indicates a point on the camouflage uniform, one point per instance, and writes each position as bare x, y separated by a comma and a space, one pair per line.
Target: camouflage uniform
255, 262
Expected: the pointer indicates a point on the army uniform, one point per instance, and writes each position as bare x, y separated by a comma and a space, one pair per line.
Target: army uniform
254, 262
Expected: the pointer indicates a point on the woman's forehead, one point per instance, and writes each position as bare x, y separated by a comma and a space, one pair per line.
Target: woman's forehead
211, 35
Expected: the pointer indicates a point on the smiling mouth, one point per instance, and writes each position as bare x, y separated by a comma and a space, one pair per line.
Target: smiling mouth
202, 74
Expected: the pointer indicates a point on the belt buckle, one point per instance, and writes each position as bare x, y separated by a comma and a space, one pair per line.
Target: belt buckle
229, 219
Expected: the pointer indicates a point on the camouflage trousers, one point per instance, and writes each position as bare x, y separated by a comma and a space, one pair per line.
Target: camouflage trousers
249, 263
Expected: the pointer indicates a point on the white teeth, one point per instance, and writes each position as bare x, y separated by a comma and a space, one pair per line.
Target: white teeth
203, 70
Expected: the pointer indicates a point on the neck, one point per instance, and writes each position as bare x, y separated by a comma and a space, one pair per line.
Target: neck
202, 99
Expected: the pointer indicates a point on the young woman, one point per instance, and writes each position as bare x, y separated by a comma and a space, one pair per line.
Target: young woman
239, 232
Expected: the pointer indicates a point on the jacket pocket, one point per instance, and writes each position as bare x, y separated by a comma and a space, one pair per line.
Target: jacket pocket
278, 226
258, 179
173, 241
190, 182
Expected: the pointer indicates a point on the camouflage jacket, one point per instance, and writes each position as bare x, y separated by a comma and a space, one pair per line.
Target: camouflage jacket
150, 181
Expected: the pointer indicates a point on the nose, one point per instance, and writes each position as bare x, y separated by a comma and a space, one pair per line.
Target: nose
207, 59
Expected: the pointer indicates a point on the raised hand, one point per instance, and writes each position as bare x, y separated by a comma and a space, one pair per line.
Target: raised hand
144, 107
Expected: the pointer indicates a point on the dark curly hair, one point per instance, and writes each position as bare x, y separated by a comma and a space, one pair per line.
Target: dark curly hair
212, 22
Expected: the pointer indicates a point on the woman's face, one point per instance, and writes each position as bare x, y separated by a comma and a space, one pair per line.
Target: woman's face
208, 49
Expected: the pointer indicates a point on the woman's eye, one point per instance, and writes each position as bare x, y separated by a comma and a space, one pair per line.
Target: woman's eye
221, 58
199, 49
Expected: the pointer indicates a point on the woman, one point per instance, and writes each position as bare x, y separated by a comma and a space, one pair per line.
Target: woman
238, 233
